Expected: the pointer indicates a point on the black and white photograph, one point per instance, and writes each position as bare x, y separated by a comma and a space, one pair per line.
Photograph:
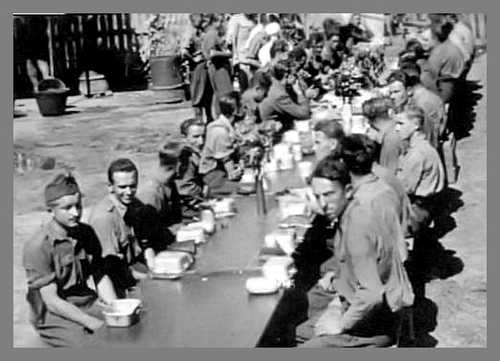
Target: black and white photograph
249, 180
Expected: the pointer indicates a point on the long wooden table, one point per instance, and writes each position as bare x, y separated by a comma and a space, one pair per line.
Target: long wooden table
211, 307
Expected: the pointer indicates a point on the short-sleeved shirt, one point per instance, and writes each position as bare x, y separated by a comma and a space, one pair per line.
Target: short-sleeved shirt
220, 143
420, 168
463, 38
434, 113
115, 235
66, 258
445, 62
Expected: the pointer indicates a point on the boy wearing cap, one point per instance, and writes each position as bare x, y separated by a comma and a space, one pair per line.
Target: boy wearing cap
125, 227
60, 260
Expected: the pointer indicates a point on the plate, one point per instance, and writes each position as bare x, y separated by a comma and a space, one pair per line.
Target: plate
167, 276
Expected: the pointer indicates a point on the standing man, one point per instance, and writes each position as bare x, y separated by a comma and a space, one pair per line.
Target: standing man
445, 64
365, 277
59, 261
406, 90
420, 168
119, 220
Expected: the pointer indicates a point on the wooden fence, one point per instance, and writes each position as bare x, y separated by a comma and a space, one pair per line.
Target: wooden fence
73, 41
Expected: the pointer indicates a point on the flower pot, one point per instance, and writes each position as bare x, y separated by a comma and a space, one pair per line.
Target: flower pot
51, 97
166, 79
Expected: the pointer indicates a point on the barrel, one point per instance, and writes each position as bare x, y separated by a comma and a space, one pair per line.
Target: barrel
166, 79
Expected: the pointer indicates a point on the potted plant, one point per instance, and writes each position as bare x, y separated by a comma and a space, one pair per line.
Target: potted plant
165, 59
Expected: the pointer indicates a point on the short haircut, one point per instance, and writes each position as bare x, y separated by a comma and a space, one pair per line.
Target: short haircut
412, 72
169, 153
442, 30
397, 75
189, 123
416, 114
332, 168
358, 153
377, 108
228, 105
262, 79
121, 165
416, 47
279, 45
316, 38
297, 53
280, 69
330, 27
331, 128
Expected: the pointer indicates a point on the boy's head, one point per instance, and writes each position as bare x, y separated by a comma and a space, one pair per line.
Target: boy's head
193, 130
63, 200
228, 106
261, 84
330, 184
123, 178
169, 155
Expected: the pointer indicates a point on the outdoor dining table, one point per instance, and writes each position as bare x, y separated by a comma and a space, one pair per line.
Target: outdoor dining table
209, 306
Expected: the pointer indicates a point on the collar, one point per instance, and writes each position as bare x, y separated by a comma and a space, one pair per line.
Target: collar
56, 232
369, 178
225, 121
415, 139
115, 203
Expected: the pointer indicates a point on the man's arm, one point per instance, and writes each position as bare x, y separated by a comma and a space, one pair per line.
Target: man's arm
103, 227
300, 110
360, 238
67, 310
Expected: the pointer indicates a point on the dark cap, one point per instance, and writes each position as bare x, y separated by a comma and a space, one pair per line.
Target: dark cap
62, 185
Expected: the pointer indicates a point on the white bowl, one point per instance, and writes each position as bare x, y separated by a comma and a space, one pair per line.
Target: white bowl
123, 312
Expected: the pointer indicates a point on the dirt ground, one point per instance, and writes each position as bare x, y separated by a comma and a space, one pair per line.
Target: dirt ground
95, 131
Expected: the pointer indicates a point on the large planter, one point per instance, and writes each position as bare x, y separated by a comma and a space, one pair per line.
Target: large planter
166, 79
51, 97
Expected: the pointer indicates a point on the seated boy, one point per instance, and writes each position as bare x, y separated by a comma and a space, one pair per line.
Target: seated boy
189, 182
219, 162
60, 260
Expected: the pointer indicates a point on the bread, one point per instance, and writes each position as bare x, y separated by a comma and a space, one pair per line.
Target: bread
172, 262
278, 268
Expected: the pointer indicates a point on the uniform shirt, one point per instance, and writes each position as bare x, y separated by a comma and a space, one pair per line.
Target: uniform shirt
53, 255
279, 105
220, 143
420, 168
366, 261
391, 147
445, 62
189, 183
434, 112
164, 198
463, 38
116, 237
